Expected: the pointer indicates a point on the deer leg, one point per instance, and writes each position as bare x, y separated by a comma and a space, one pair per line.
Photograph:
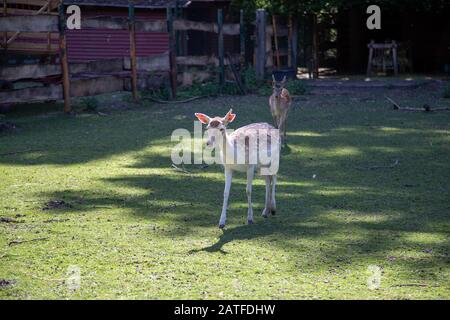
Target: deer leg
275, 121
284, 129
250, 175
273, 205
226, 194
281, 130
266, 210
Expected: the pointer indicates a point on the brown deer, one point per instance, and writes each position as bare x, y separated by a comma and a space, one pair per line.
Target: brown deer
280, 102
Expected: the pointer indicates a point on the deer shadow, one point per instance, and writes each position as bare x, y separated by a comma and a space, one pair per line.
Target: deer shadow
269, 227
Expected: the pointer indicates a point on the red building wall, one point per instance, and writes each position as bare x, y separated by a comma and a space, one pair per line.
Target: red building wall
95, 44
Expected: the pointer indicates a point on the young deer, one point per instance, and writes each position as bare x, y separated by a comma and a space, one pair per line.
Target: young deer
242, 142
280, 103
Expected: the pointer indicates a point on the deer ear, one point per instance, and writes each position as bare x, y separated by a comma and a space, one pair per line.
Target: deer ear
203, 118
229, 117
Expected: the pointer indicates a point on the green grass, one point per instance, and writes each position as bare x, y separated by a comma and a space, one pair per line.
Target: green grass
136, 228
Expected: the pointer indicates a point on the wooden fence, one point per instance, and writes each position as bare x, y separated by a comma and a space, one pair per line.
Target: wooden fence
268, 53
42, 42
85, 79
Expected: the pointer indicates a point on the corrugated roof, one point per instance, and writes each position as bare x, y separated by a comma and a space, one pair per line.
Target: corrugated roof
124, 3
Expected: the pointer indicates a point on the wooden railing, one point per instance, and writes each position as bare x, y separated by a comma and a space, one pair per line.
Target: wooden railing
29, 42
104, 76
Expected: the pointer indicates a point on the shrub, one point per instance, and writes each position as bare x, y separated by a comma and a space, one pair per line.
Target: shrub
249, 79
297, 87
90, 103
446, 92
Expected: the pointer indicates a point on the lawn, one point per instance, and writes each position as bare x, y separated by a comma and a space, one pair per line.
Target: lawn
363, 192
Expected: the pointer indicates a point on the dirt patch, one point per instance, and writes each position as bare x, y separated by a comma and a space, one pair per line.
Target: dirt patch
4, 283
55, 220
56, 204
8, 220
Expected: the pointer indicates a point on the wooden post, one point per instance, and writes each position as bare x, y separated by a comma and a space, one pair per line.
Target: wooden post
290, 41
172, 54
294, 44
315, 49
49, 35
242, 34
63, 59
220, 47
5, 35
177, 33
131, 28
369, 63
269, 52
275, 39
394, 57
260, 49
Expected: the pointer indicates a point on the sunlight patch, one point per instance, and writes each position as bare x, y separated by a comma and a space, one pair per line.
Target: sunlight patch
342, 152
425, 237
306, 134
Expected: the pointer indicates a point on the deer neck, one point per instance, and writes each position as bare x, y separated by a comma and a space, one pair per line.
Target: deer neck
277, 101
225, 147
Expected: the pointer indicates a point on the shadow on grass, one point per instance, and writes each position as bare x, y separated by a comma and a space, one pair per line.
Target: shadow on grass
327, 191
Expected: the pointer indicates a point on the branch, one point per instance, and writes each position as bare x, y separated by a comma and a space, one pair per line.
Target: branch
14, 242
179, 169
380, 167
17, 152
174, 102
425, 108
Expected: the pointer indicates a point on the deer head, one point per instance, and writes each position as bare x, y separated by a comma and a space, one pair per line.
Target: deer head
215, 126
278, 86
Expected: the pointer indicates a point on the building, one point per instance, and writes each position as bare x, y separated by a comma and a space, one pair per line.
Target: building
94, 44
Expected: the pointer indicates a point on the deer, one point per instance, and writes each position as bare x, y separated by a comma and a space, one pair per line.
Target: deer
280, 102
238, 142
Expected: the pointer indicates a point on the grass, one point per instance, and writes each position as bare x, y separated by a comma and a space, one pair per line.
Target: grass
136, 228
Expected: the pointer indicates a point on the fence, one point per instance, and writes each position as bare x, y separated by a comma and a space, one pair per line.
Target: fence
267, 47
102, 76
83, 79
30, 41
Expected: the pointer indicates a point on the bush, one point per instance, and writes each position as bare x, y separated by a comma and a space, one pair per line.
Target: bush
446, 93
249, 79
297, 87
212, 88
265, 90
90, 103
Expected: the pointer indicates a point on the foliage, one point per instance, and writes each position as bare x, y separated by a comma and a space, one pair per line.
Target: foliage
208, 89
318, 7
248, 75
297, 87
90, 103
446, 92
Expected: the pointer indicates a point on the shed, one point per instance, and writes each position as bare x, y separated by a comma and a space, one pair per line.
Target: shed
95, 44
